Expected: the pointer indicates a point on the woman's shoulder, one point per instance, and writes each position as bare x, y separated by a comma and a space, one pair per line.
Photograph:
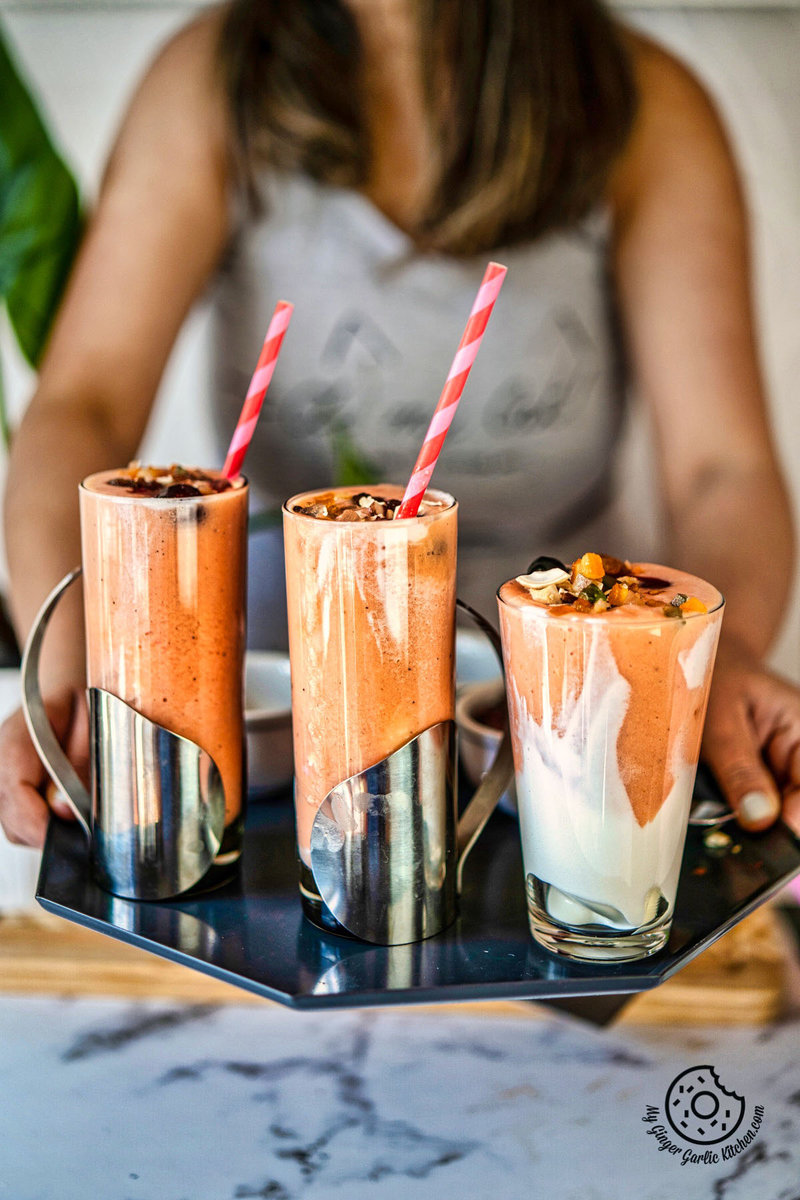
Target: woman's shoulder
660, 73
176, 120
194, 46
677, 130
183, 81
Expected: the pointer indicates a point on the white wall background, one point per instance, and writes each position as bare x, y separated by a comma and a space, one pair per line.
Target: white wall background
84, 59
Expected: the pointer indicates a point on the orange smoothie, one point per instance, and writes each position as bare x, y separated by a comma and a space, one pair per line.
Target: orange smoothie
164, 565
607, 696
371, 632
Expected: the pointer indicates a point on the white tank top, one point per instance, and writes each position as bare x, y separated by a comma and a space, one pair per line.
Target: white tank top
530, 451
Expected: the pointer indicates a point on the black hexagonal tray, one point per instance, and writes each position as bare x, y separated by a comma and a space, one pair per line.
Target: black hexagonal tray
253, 934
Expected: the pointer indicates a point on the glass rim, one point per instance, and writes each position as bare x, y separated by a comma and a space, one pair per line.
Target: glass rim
370, 489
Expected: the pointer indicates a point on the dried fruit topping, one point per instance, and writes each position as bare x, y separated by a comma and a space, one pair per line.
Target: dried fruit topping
693, 605
589, 566
619, 594
681, 604
592, 593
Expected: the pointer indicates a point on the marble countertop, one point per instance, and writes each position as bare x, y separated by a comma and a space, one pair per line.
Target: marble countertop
108, 1100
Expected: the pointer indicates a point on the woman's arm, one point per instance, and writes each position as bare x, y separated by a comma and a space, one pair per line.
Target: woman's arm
160, 226
682, 274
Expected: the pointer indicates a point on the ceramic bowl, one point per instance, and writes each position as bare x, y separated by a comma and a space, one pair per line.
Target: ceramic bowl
268, 713
478, 743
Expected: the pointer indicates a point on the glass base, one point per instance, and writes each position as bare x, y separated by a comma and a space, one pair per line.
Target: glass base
607, 939
225, 867
315, 908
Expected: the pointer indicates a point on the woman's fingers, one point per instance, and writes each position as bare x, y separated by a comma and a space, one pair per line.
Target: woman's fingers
752, 742
791, 810
24, 815
733, 752
23, 811
58, 802
775, 709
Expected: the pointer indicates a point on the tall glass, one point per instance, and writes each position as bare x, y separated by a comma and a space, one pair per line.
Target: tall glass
606, 714
164, 598
372, 643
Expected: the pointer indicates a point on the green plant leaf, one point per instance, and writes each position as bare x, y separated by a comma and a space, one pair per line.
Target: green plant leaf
268, 518
351, 466
40, 218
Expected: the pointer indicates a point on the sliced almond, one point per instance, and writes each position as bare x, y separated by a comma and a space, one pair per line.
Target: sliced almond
541, 579
546, 595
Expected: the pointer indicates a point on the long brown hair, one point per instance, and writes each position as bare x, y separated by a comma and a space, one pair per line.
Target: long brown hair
539, 101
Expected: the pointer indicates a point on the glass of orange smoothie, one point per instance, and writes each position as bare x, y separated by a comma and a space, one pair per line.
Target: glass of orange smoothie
371, 602
608, 669
164, 569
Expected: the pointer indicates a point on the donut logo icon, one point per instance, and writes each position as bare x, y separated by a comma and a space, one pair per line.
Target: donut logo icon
700, 1109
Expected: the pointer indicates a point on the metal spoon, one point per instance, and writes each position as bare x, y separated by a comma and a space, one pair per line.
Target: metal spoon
707, 813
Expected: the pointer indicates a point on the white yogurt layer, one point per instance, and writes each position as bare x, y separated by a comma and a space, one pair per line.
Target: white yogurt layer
579, 832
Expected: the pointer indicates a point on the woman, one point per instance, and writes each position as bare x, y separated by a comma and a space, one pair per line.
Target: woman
363, 157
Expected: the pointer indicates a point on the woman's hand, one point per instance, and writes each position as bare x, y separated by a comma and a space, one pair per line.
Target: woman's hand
752, 740
24, 812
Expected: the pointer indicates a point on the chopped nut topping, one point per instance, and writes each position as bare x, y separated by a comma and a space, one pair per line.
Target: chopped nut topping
363, 506
598, 582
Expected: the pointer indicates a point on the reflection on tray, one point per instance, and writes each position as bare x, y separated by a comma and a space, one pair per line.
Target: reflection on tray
252, 933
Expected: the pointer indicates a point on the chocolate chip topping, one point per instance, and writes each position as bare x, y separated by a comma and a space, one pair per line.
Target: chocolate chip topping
179, 490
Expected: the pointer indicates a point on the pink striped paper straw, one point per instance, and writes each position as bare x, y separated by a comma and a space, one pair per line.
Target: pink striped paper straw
448, 401
245, 426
